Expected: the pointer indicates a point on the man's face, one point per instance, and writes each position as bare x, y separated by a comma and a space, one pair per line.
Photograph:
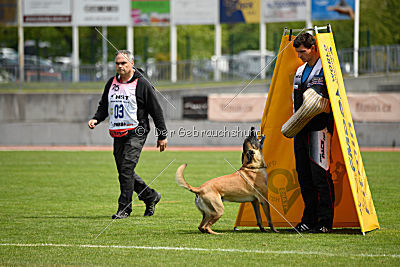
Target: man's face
122, 64
305, 54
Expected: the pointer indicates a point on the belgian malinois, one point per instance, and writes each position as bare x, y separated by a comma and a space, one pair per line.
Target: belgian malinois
248, 184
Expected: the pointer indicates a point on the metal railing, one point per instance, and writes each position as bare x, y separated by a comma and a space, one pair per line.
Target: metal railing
377, 59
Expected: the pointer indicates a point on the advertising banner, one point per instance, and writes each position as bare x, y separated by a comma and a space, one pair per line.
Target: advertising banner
231, 107
194, 12
332, 9
46, 13
239, 11
8, 13
375, 107
283, 10
101, 13
195, 107
150, 12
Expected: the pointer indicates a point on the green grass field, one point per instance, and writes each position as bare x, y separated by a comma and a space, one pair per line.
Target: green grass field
65, 200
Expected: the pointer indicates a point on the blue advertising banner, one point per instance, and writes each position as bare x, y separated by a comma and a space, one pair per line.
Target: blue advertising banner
332, 9
239, 11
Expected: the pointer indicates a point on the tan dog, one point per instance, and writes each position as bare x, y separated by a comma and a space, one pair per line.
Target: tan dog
249, 184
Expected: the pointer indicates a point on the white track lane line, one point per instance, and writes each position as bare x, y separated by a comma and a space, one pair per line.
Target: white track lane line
284, 252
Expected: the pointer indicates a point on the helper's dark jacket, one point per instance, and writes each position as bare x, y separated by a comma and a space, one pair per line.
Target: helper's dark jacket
147, 103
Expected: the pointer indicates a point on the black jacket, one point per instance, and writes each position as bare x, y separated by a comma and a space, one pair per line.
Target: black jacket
147, 103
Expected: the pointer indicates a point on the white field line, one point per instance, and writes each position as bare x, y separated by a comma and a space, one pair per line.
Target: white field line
228, 250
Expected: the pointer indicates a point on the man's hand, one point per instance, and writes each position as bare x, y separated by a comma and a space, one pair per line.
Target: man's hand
162, 144
92, 123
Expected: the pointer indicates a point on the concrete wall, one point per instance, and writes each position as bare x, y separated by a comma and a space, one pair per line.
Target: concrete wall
181, 133
61, 119
373, 83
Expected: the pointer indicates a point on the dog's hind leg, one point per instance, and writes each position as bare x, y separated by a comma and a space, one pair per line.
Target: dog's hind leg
203, 209
256, 208
213, 220
217, 210
203, 223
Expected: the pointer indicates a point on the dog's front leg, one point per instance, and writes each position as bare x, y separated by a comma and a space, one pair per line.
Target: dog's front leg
267, 212
256, 208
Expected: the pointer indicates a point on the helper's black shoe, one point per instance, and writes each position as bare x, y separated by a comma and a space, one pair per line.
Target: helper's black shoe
151, 205
120, 215
320, 230
301, 228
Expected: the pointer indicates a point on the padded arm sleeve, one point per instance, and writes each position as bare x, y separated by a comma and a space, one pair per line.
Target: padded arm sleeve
313, 104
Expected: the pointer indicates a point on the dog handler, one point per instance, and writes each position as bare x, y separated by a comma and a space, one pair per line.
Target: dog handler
312, 128
128, 99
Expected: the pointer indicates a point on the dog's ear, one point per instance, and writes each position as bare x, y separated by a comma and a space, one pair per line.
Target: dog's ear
242, 158
253, 132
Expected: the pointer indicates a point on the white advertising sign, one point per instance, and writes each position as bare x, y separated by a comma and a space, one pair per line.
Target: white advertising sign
46, 12
101, 13
284, 10
194, 12
245, 107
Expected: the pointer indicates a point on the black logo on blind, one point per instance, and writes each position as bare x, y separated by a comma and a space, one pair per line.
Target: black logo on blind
322, 148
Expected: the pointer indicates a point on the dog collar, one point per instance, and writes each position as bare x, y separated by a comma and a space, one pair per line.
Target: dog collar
254, 168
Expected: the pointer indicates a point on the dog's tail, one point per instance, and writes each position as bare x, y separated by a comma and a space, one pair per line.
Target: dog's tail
180, 180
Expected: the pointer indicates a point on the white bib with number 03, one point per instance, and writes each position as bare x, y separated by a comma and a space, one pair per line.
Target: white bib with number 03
122, 107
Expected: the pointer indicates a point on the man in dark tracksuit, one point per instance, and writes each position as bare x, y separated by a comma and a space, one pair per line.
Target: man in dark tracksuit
128, 99
312, 143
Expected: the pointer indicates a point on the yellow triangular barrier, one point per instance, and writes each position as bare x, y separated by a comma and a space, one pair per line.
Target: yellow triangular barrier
354, 207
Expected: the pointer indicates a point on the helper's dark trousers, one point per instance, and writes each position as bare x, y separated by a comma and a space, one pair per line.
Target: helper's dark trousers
127, 150
316, 185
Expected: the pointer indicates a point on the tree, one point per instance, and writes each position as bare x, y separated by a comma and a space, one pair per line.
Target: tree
382, 20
